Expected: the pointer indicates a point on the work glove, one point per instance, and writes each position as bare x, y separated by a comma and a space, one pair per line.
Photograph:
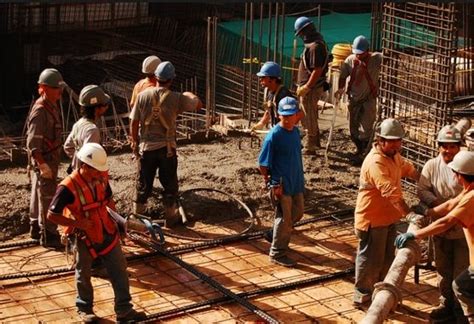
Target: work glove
256, 127
402, 239
302, 91
45, 171
338, 94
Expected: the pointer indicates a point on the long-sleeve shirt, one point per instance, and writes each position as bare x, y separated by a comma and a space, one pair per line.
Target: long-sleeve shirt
379, 188
437, 183
83, 131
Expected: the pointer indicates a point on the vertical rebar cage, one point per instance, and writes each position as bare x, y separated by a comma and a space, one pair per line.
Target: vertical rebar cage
419, 43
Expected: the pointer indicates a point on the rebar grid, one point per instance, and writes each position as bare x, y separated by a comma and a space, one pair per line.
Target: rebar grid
417, 75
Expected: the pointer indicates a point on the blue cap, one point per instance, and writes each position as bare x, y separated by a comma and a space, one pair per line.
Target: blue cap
165, 71
270, 69
288, 106
360, 45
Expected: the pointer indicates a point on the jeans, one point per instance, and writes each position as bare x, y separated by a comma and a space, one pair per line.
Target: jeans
463, 287
375, 255
451, 258
116, 266
289, 211
167, 167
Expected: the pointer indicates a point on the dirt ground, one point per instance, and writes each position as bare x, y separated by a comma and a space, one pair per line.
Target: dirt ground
228, 164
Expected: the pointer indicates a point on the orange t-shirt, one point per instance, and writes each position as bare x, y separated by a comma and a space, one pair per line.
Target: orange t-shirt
379, 187
464, 213
139, 87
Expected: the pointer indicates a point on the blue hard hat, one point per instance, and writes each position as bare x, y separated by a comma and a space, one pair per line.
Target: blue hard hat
165, 71
360, 45
288, 106
301, 23
270, 69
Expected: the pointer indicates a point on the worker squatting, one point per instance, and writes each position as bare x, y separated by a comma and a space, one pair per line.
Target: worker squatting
82, 201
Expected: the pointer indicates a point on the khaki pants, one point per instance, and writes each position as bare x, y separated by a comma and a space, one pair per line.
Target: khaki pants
42, 193
362, 115
309, 104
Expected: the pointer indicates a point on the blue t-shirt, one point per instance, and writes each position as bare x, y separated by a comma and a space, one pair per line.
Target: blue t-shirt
281, 154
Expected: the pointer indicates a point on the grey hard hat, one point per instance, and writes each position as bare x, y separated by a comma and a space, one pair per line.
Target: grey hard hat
463, 162
449, 134
51, 78
391, 128
150, 64
93, 95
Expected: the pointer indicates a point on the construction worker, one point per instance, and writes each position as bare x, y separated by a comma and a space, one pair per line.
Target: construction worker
363, 69
149, 66
80, 204
44, 150
155, 112
449, 214
311, 80
379, 207
94, 103
281, 165
270, 78
436, 185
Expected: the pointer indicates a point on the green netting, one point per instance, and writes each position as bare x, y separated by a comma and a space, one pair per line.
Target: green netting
335, 27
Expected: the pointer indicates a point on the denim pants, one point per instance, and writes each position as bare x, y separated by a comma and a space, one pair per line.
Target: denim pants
463, 287
451, 258
116, 266
289, 211
167, 167
375, 255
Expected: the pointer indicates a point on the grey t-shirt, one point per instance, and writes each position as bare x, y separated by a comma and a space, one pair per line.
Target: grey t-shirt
360, 88
83, 131
153, 134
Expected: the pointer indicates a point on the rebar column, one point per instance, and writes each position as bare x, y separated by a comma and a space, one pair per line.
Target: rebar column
387, 295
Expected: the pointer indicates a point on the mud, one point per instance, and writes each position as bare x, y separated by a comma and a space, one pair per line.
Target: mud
227, 164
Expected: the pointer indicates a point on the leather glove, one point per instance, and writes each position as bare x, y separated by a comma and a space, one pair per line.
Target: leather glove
402, 239
45, 171
338, 94
302, 91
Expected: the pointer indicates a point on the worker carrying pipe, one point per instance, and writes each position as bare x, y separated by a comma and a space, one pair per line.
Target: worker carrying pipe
379, 207
458, 210
362, 68
153, 139
437, 184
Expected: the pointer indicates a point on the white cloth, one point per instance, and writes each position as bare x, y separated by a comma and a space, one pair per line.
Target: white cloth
83, 131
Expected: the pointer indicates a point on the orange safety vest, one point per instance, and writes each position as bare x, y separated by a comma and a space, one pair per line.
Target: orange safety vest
90, 203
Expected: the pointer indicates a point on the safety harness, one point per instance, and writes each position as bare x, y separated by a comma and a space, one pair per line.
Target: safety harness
363, 66
157, 115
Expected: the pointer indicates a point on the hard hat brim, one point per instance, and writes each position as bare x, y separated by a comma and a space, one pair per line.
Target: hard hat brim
288, 112
357, 51
297, 32
260, 74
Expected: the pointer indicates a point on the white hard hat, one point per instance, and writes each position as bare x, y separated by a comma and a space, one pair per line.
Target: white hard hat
391, 128
463, 162
150, 64
93, 155
449, 134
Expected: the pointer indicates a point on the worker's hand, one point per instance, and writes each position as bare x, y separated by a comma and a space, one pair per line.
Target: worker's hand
257, 126
84, 224
302, 91
402, 239
134, 147
277, 191
45, 171
338, 94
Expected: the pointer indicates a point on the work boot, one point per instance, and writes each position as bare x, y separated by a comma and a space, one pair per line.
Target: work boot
131, 316
268, 236
442, 313
35, 230
88, 316
283, 261
51, 239
172, 217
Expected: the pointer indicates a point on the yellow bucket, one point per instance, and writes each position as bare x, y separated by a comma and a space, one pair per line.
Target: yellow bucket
339, 53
